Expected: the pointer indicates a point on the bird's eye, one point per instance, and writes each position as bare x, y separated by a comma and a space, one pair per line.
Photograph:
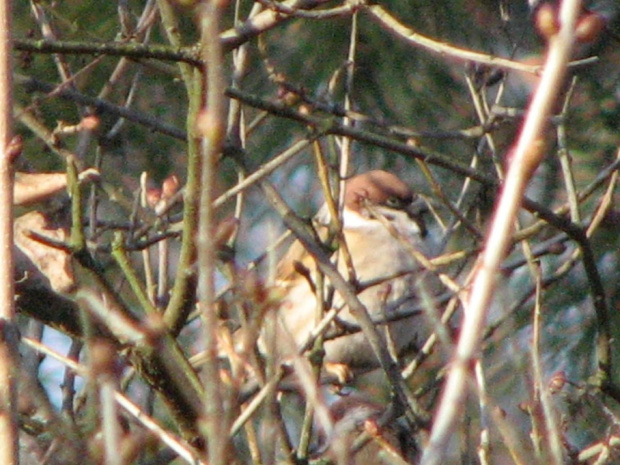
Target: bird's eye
394, 202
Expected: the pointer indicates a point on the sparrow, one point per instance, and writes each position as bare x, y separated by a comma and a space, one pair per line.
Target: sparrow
381, 222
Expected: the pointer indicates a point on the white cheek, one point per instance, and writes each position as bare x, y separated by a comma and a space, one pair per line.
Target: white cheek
353, 220
405, 226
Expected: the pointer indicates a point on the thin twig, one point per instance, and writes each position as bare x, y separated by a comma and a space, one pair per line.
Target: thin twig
265, 169
524, 160
32, 85
178, 445
551, 434
388, 21
564, 155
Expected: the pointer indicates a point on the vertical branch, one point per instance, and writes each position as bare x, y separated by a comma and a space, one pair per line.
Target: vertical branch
77, 239
551, 435
169, 20
102, 369
211, 128
484, 444
146, 253
525, 158
566, 159
346, 149
603, 338
180, 301
8, 151
68, 381
346, 142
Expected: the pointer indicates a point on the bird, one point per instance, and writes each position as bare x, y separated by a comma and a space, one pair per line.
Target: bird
382, 220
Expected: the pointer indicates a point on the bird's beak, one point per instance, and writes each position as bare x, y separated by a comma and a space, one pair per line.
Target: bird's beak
416, 211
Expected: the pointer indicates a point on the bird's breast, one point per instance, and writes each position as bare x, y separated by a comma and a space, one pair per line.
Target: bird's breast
379, 254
